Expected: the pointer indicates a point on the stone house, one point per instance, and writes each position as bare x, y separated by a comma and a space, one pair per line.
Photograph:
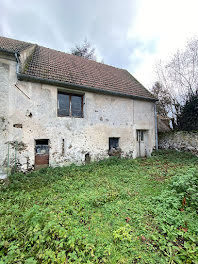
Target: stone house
62, 109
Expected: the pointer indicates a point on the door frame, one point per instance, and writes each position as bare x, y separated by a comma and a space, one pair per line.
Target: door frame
41, 160
141, 137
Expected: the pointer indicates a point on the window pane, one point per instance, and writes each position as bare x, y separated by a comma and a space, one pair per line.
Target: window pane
113, 143
42, 149
63, 104
76, 106
142, 135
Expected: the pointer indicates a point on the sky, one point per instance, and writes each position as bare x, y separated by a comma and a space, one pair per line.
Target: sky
129, 34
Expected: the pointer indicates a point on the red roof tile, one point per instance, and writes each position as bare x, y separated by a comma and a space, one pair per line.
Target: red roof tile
54, 65
13, 45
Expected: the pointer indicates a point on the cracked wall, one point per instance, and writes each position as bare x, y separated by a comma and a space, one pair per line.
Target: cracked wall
33, 107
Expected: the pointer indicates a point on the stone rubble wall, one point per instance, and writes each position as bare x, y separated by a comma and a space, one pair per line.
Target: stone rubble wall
28, 112
179, 140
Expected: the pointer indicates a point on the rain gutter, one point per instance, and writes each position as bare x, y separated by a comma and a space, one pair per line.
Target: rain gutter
26, 77
156, 134
7, 51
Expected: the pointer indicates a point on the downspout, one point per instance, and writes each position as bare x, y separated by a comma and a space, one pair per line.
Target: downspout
18, 62
17, 73
156, 135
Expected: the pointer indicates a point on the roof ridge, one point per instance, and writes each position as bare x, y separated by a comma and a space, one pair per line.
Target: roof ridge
18, 40
13, 45
79, 57
61, 68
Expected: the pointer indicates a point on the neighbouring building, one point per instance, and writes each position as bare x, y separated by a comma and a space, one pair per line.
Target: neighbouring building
58, 109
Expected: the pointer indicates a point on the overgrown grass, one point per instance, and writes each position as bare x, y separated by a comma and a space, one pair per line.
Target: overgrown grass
113, 211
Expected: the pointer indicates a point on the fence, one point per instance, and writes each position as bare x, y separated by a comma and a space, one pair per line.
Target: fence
8, 158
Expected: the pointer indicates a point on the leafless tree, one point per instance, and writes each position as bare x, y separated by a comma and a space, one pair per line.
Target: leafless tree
84, 50
164, 102
179, 76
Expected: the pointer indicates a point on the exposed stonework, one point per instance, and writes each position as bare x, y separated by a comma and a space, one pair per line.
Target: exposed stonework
28, 112
181, 140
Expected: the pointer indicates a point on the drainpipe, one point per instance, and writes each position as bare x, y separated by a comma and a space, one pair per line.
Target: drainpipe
156, 135
18, 62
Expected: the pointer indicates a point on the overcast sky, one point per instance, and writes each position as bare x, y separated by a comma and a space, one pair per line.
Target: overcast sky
129, 34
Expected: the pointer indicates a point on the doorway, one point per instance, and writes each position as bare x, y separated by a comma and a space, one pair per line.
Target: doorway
41, 153
141, 143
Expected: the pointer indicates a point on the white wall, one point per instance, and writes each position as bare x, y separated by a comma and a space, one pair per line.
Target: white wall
104, 116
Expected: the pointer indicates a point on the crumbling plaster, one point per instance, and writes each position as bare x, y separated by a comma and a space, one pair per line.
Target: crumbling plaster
34, 106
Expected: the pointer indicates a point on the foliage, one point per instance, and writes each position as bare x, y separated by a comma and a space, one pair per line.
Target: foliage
176, 214
113, 211
186, 188
84, 50
188, 118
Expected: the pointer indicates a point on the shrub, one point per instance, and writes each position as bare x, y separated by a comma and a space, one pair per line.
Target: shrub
188, 118
175, 211
186, 188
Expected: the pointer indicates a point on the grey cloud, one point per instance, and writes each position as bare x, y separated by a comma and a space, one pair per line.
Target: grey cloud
61, 24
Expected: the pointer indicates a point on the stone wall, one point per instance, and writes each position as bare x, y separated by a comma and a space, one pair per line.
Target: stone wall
180, 140
28, 112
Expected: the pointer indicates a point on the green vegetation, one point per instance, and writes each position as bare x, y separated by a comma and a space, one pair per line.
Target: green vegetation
188, 118
113, 211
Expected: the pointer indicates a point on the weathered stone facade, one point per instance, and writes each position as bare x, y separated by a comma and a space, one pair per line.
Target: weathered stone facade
28, 112
180, 140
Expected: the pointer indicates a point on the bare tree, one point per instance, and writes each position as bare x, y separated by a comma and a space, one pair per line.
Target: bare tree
84, 50
164, 102
179, 77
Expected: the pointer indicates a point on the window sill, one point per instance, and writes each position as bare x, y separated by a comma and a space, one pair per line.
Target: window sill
71, 116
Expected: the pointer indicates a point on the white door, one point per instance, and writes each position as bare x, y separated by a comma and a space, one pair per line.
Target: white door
140, 143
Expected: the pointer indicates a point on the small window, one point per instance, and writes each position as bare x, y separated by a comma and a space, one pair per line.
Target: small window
113, 143
140, 135
41, 146
70, 105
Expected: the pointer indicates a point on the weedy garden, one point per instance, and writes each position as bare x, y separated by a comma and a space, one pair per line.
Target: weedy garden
113, 211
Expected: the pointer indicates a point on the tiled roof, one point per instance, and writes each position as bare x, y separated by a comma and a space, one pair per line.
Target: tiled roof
54, 65
13, 45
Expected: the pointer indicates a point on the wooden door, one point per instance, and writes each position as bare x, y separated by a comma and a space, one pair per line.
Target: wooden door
41, 154
141, 150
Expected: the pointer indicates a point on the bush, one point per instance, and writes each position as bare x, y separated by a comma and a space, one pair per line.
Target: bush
103, 213
186, 188
188, 118
175, 211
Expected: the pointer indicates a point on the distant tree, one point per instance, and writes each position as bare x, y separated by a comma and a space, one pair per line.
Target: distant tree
178, 78
84, 50
188, 118
164, 99
180, 74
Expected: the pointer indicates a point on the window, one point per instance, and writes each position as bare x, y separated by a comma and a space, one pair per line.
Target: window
140, 135
70, 105
41, 146
41, 153
113, 143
